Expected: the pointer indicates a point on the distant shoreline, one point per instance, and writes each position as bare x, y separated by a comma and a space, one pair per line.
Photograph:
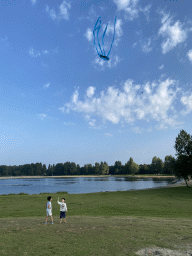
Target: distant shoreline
84, 176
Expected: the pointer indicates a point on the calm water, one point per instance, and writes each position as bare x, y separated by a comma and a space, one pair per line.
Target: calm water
79, 185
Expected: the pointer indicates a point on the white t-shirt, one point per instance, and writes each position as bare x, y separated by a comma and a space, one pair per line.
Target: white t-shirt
63, 206
49, 203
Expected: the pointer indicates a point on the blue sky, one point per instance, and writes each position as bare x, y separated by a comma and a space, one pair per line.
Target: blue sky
60, 102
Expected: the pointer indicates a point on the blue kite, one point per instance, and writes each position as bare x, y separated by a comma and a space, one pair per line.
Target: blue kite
101, 51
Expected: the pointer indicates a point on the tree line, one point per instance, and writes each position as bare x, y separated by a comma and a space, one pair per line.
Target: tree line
181, 166
70, 168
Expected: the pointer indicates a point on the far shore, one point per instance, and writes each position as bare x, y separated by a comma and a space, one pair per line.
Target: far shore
88, 176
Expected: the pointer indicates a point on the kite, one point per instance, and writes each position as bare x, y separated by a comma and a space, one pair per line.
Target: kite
101, 51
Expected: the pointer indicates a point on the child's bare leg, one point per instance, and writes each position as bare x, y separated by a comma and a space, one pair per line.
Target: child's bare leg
65, 219
46, 219
51, 218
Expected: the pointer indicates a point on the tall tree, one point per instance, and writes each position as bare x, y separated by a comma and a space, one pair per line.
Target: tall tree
157, 165
96, 168
118, 167
183, 147
169, 163
131, 167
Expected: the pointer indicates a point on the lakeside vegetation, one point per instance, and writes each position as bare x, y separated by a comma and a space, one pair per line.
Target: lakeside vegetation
105, 223
70, 168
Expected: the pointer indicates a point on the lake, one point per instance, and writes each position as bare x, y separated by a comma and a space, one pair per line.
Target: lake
79, 185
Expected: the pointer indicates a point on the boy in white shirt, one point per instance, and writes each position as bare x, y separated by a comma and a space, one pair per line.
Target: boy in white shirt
49, 209
63, 209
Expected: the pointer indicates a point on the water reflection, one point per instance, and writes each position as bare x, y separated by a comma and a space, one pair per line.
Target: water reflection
80, 185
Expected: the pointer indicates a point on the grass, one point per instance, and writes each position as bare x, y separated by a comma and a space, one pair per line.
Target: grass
106, 223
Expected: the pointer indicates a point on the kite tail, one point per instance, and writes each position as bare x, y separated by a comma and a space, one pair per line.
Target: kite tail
103, 39
98, 39
97, 28
113, 38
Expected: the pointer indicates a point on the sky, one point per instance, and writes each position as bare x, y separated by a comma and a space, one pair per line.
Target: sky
59, 101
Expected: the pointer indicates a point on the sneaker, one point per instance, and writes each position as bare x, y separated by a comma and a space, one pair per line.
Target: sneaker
45, 222
51, 222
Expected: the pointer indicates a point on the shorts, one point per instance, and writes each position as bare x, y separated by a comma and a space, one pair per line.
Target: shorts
62, 215
49, 212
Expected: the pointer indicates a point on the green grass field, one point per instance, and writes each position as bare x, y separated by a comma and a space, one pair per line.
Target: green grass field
107, 223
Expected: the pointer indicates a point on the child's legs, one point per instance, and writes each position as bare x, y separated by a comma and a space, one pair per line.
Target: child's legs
51, 218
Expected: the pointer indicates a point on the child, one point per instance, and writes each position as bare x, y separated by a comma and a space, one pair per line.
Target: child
63, 209
49, 209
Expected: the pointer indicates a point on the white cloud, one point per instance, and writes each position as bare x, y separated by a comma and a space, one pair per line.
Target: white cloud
90, 91
46, 85
189, 54
157, 102
146, 46
187, 101
33, 1
42, 116
129, 6
174, 34
34, 53
89, 34
63, 12
64, 8
45, 52
109, 134
161, 67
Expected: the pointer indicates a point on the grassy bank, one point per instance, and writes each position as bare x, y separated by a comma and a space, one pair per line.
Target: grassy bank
86, 176
109, 223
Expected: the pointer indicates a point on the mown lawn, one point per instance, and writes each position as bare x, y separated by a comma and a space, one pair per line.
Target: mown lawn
107, 223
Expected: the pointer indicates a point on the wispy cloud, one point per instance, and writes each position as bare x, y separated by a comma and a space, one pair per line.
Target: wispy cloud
46, 85
129, 6
34, 53
187, 101
62, 13
161, 67
90, 91
89, 34
146, 46
42, 116
33, 1
173, 33
109, 134
189, 54
157, 102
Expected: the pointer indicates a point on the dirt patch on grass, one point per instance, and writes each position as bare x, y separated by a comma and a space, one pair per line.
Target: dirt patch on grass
164, 252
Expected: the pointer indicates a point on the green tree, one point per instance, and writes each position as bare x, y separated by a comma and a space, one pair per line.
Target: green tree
118, 167
131, 167
157, 165
73, 168
96, 168
169, 163
143, 169
78, 169
183, 164
183, 144
44, 169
